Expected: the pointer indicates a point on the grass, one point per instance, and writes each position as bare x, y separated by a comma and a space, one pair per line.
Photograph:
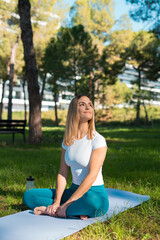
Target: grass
132, 164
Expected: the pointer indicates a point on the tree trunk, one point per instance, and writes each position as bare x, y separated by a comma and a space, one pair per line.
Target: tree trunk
146, 114
55, 108
55, 100
1, 103
92, 92
138, 113
138, 99
11, 77
43, 87
91, 82
75, 75
24, 98
35, 124
90, 87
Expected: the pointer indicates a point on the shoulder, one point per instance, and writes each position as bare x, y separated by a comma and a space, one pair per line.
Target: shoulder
98, 141
64, 146
97, 135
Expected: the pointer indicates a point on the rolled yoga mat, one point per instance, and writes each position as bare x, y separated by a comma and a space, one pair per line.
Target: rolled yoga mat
27, 226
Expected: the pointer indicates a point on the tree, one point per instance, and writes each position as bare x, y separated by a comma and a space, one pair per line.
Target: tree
23, 81
142, 55
35, 125
146, 11
4, 61
10, 29
70, 58
47, 18
113, 59
97, 17
53, 65
81, 57
113, 54
11, 75
116, 94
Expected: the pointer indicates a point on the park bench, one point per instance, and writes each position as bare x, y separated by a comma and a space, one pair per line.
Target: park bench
13, 127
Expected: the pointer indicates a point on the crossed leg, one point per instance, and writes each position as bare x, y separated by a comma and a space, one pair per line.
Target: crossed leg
39, 199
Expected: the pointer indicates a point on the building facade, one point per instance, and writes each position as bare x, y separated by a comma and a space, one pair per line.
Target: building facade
20, 95
20, 98
129, 76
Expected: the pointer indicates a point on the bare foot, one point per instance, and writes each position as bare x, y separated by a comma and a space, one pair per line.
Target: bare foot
83, 217
40, 210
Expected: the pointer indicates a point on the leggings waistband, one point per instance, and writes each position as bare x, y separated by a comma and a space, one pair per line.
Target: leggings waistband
98, 188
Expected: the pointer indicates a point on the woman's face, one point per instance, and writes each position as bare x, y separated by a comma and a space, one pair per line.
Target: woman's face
85, 109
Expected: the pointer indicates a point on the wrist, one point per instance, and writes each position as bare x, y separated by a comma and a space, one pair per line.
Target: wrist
68, 203
56, 201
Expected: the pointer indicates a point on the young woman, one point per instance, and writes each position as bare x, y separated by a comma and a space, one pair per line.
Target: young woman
84, 151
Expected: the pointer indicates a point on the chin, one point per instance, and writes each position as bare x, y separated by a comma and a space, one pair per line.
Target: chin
88, 118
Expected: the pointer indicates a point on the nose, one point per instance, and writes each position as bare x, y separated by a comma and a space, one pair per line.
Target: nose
87, 106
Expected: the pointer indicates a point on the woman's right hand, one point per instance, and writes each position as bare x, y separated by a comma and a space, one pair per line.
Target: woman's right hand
51, 209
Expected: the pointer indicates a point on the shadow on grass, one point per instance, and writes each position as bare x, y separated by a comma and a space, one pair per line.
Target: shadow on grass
11, 192
53, 136
19, 207
129, 123
48, 122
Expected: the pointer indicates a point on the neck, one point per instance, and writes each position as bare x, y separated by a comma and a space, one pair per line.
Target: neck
82, 130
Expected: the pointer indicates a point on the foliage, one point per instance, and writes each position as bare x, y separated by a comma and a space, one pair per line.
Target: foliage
72, 57
116, 94
46, 21
145, 10
142, 55
9, 33
113, 59
97, 18
4, 57
141, 49
53, 66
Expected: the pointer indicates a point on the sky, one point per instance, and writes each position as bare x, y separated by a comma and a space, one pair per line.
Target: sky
122, 8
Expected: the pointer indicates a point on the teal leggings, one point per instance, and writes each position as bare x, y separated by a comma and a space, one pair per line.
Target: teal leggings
93, 203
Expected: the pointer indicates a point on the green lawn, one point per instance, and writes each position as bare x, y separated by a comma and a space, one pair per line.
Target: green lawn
132, 164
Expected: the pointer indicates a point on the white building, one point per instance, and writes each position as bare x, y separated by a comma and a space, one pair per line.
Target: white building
130, 75
63, 100
65, 97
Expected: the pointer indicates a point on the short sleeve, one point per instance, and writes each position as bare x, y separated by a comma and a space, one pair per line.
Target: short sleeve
98, 141
64, 146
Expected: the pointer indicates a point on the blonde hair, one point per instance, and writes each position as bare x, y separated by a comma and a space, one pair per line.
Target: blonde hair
72, 122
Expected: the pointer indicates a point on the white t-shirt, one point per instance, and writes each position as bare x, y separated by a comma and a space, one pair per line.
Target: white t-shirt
78, 155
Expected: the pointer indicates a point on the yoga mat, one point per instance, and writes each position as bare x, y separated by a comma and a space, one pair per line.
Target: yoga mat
27, 226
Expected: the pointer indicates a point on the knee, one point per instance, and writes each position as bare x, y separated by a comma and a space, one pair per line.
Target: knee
97, 204
92, 200
28, 198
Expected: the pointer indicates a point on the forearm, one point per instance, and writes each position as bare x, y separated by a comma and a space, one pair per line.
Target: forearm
82, 189
61, 184
61, 178
94, 169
